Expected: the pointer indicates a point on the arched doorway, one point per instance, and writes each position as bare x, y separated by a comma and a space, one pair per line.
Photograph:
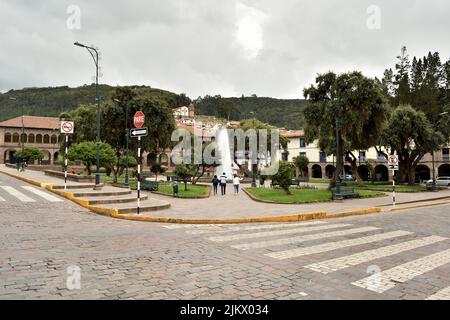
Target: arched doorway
316, 171
164, 159
444, 170
55, 156
151, 159
381, 173
422, 173
9, 157
347, 169
329, 171
363, 172
47, 157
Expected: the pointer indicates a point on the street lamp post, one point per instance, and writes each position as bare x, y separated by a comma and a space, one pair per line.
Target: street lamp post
433, 146
338, 161
127, 184
94, 53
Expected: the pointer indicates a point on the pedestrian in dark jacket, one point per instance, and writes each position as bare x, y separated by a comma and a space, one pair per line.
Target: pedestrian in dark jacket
215, 183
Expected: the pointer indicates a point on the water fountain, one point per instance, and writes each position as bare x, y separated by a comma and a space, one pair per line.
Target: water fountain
223, 145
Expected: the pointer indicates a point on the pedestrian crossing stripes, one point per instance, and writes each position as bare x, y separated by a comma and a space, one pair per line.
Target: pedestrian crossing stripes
316, 236
221, 229
212, 227
296, 237
42, 194
330, 246
17, 194
24, 196
443, 294
275, 233
385, 280
369, 255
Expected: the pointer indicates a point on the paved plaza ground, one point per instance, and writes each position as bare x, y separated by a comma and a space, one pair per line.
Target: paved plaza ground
43, 235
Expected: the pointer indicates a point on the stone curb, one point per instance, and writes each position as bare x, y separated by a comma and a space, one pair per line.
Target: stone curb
418, 206
114, 213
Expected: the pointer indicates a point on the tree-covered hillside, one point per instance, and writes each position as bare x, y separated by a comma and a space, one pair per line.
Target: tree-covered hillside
286, 113
54, 100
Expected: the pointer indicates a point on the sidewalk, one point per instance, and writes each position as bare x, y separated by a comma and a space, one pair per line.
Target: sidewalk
233, 208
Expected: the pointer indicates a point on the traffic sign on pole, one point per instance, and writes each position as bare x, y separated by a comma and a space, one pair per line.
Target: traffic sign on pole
138, 132
67, 127
393, 162
139, 119
393, 165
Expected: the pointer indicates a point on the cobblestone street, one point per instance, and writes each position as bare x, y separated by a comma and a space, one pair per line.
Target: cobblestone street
402, 255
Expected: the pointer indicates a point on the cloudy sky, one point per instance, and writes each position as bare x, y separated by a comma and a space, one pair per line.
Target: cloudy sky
228, 47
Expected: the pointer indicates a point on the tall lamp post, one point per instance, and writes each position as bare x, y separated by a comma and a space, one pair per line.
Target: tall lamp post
433, 146
94, 53
127, 184
338, 195
253, 164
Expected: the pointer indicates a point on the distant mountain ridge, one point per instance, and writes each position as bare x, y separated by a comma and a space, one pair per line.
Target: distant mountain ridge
51, 101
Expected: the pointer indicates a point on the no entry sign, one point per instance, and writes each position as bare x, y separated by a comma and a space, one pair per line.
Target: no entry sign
139, 119
67, 127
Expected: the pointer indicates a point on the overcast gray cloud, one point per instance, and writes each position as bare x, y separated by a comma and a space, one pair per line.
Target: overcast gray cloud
227, 47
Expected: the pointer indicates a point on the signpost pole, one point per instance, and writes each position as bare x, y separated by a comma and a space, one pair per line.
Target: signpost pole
393, 188
65, 162
139, 176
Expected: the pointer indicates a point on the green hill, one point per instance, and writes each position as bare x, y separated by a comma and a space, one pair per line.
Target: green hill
52, 101
287, 113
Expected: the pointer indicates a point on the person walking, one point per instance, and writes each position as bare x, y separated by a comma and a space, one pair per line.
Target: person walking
223, 184
215, 183
236, 184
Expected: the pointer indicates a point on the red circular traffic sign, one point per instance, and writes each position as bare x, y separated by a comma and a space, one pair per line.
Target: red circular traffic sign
393, 160
139, 119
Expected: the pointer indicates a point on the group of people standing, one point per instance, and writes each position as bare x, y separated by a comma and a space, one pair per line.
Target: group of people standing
222, 180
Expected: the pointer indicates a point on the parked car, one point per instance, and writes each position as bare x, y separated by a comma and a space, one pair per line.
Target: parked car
347, 177
440, 181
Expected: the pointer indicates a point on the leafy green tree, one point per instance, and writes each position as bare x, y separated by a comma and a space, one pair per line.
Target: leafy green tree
30, 154
301, 163
425, 89
160, 123
132, 163
184, 173
85, 127
284, 176
359, 104
157, 168
87, 153
409, 134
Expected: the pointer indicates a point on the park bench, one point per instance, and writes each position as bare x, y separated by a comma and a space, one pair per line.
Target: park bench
294, 182
149, 185
345, 192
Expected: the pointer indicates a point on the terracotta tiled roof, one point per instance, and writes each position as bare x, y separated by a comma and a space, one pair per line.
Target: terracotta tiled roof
293, 133
32, 122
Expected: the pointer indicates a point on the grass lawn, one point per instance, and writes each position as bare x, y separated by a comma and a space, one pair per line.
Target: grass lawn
378, 186
194, 190
398, 188
301, 195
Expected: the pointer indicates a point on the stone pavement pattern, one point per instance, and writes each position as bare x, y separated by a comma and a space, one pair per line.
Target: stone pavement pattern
124, 259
